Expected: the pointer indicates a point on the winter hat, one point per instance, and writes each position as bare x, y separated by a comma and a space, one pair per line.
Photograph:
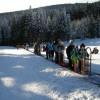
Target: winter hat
82, 45
61, 43
71, 42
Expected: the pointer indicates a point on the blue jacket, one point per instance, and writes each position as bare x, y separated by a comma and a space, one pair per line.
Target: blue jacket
50, 46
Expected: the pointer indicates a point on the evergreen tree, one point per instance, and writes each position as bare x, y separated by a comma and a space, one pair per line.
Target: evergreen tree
0, 37
25, 27
14, 31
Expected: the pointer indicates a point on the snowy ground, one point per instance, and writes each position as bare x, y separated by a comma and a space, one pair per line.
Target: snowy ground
25, 76
95, 67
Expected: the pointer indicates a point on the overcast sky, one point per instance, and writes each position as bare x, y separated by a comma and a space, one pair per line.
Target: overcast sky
15, 5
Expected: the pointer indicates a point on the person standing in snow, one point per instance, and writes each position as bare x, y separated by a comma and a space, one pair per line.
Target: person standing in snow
68, 52
47, 52
82, 51
50, 50
37, 47
61, 48
82, 54
55, 46
26, 47
75, 59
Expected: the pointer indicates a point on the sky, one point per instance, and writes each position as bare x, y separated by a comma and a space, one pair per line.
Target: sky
26, 76
15, 5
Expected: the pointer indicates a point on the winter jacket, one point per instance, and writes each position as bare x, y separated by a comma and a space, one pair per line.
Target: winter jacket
68, 50
55, 46
83, 53
61, 48
74, 54
50, 46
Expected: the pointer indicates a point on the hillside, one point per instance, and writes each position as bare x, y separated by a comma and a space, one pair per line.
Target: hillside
65, 21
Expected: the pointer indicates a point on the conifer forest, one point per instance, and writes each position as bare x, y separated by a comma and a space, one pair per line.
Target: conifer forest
65, 21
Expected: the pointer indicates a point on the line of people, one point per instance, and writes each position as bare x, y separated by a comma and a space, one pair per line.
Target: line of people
55, 48
74, 54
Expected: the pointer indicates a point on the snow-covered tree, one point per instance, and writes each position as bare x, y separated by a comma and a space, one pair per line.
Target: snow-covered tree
14, 31
0, 37
5, 31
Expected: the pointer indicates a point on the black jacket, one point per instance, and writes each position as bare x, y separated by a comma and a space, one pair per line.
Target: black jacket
68, 50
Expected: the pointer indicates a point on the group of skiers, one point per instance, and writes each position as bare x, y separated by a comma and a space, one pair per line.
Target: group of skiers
74, 54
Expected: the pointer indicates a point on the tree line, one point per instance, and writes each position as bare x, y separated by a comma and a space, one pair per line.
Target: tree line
49, 23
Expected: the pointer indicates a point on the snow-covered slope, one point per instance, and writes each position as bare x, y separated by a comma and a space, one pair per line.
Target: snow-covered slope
25, 76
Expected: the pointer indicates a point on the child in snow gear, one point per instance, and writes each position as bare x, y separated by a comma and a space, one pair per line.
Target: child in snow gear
82, 57
75, 59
